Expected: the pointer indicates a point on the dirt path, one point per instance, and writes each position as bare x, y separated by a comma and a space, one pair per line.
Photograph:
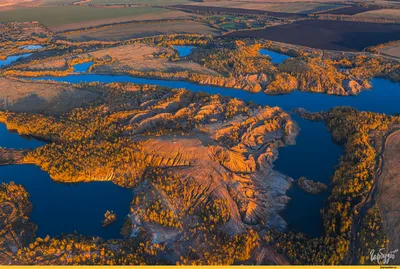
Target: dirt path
372, 196
389, 193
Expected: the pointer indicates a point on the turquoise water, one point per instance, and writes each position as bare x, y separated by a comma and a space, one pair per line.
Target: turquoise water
13, 58
276, 58
184, 51
314, 155
64, 208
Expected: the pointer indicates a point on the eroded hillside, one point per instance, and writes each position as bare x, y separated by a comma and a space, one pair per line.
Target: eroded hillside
194, 160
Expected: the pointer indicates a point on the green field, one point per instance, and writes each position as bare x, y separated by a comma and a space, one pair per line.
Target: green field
60, 15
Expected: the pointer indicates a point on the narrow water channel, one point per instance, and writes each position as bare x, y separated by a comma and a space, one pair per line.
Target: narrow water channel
31, 47
382, 98
11, 59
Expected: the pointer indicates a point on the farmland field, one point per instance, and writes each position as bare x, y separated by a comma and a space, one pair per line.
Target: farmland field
56, 2
324, 34
297, 7
68, 17
11, 4
350, 10
212, 9
393, 50
141, 2
126, 31
389, 14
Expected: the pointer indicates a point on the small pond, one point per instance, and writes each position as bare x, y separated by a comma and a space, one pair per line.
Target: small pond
184, 51
83, 67
276, 58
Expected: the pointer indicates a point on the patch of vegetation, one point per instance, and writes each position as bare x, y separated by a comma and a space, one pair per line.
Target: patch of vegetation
371, 236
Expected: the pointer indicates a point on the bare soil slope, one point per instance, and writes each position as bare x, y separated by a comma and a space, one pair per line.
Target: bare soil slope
138, 57
36, 97
389, 198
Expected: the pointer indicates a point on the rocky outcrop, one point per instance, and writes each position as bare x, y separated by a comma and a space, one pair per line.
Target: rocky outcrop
232, 154
249, 82
351, 87
11, 156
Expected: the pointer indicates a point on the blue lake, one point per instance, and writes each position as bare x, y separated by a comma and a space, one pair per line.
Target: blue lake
184, 51
13, 58
64, 208
314, 155
13, 140
276, 58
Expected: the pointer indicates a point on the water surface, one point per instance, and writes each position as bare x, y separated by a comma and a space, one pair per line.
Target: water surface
31, 47
82, 67
184, 51
276, 58
64, 208
314, 156
11, 59
384, 96
13, 140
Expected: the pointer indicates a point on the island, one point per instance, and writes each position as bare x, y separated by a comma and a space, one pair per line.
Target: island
109, 217
311, 186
